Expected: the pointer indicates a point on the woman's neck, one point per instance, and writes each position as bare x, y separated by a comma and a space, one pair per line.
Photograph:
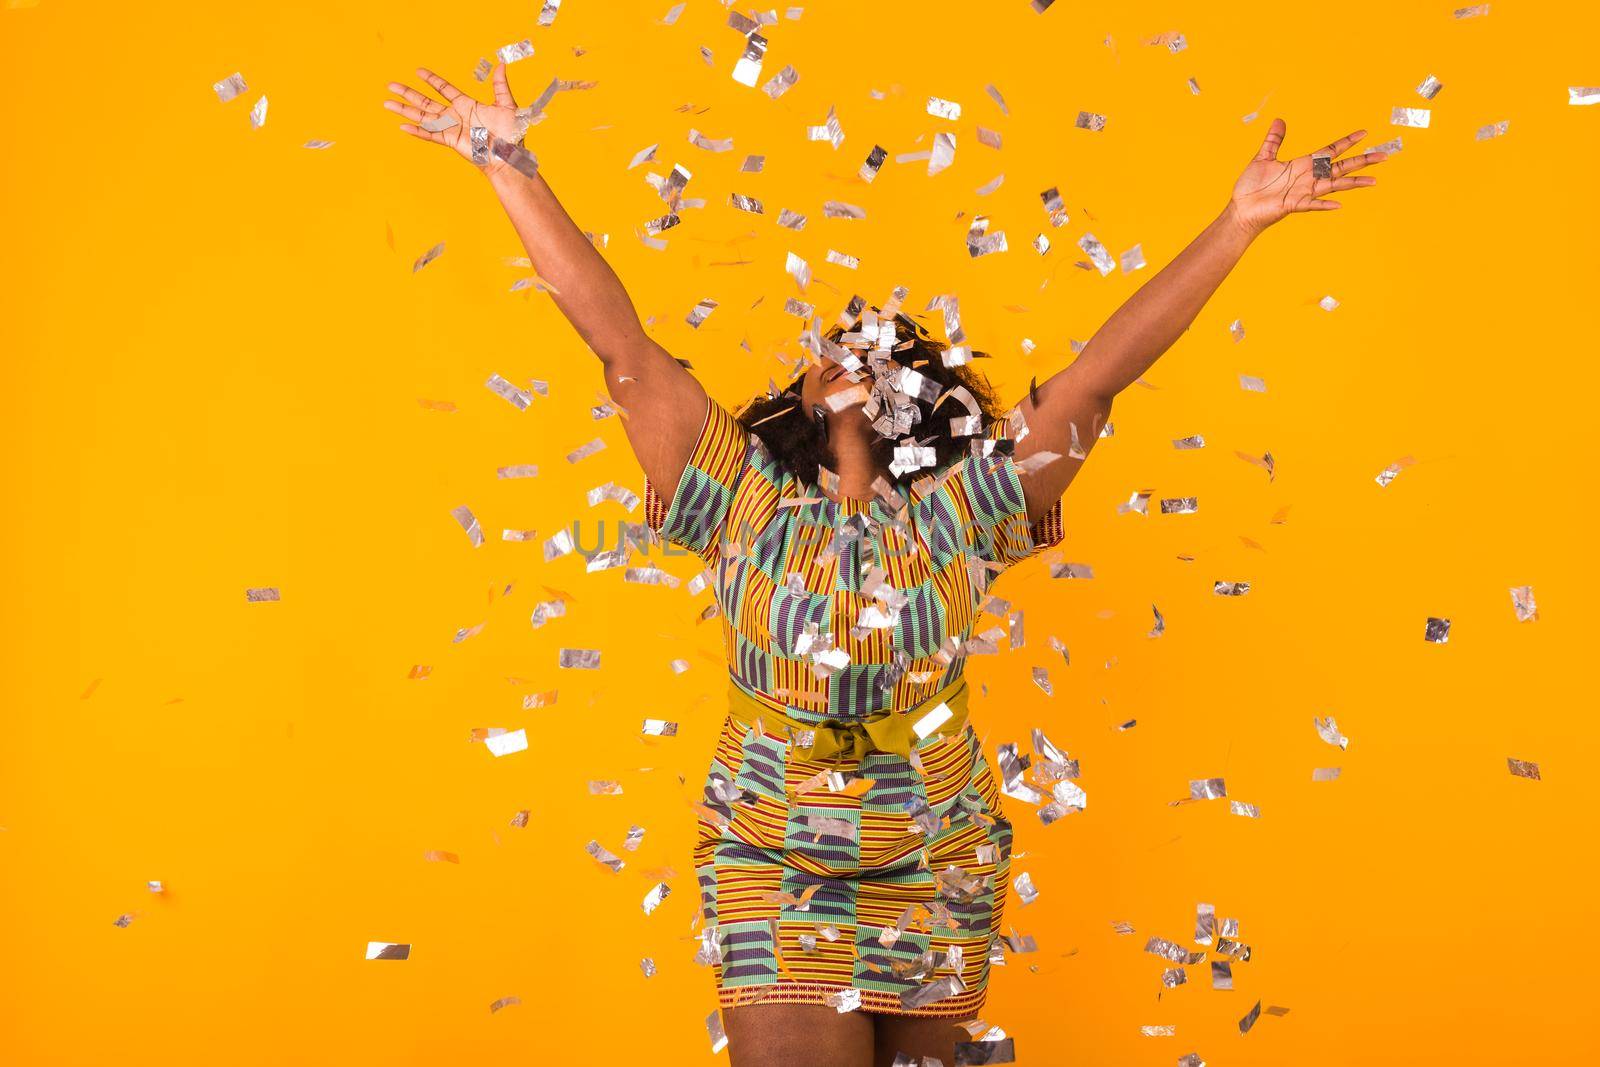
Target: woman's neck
851, 444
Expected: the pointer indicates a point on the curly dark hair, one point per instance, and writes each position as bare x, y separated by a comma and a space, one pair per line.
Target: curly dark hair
795, 440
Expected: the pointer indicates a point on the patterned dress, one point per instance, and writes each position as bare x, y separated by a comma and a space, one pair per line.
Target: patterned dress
853, 882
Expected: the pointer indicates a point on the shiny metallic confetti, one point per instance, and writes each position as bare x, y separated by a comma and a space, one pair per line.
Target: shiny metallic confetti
648, 966
943, 153
262, 595
653, 899
1410, 116
1158, 1031
1327, 303
1522, 602
604, 787
991, 185
1252, 384
1071, 570
126, 919
1583, 96
719, 1037
1250, 1018
1436, 631
388, 950
1207, 789
517, 470
798, 269
1221, 974
747, 70
469, 523
513, 52
843, 1000
231, 86
583, 659
1194, 441
1132, 259
434, 855
1491, 131
258, 114
781, 83
517, 398
1328, 730
1024, 886
558, 546
318, 145
503, 1002
1230, 588
604, 857
1429, 88
520, 819
1088, 120
1389, 473
841, 260
1175, 953
838, 209
659, 728
944, 109
699, 313
1205, 923
440, 123
1173, 977
585, 451
507, 743
1097, 254
1325, 774
1523, 768
428, 257
155, 886
829, 131
746, 203
791, 220
1239, 807
1191, 1059
1466, 13
1180, 505
700, 140
1160, 626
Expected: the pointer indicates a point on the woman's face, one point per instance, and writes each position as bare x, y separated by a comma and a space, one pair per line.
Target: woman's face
822, 380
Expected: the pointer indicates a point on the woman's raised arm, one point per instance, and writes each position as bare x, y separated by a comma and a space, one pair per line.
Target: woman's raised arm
1070, 408
665, 405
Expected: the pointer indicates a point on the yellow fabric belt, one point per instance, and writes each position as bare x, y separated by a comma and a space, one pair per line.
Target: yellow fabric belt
888, 731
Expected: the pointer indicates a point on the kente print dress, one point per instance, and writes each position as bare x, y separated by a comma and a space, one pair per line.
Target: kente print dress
816, 887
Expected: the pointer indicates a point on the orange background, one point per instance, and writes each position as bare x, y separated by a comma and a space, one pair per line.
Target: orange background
215, 358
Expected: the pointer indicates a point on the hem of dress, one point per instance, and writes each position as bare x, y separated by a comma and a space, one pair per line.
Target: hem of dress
873, 1001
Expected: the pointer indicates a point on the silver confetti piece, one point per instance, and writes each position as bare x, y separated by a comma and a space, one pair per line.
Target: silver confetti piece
1088, 120
1173, 977
830, 131
748, 67
1325, 774
1160, 626
262, 595
605, 857
1221, 974
1239, 807
700, 140
1410, 116
1097, 254
838, 209
1025, 890
258, 114
1205, 923
1523, 768
1176, 953
843, 1000
1207, 789
841, 260
659, 728
1582, 96
388, 950
517, 470
513, 52
700, 312
503, 1002
479, 136
505, 744
1158, 1031
1182, 505
558, 546
1250, 1018
719, 1037
469, 523
440, 123
1523, 603
634, 839
746, 203
318, 145
653, 899
781, 83
944, 109
798, 269
585, 451
1429, 88
1132, 259
1252, 384
1186, 443
1328, 730
1491, 131
517, 398
428, 257
231, 86
943, 153
648, 965
584, 659
1191, 1059
1436, 631
1230, 588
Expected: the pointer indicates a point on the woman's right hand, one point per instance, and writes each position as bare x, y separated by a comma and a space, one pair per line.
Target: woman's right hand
451, 123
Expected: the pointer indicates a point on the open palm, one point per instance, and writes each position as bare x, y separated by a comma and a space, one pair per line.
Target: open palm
1271, 188
452, 122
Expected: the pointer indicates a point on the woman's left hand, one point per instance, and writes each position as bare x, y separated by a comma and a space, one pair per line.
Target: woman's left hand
1271, 188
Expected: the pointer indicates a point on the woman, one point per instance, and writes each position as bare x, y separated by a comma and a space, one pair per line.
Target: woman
853, 858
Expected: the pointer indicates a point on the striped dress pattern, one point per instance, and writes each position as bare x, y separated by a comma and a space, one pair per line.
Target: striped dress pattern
875, 883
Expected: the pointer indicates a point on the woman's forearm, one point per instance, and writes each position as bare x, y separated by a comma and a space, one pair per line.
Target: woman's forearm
1155, 316
587, 291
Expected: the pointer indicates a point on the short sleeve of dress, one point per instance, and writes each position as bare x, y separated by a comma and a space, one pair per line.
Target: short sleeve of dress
695, 515
991, 494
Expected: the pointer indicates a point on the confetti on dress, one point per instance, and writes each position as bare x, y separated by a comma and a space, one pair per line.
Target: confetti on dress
428, 257
1429, 88
388, 950
1583, 96
262, 595
1436, 631
258, 114
1088, 120
1523, 768
1522, 602
1417, 117
231, 86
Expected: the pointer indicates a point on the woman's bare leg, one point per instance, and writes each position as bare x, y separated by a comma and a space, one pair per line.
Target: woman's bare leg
797, 1035
916, 1037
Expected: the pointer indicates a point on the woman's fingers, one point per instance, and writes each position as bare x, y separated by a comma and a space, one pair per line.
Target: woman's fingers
1339, 185
1342, 145
440, 86
415, 98
1322, 205
415, 114
437, 137
502, 90
1354, 163
1274, 138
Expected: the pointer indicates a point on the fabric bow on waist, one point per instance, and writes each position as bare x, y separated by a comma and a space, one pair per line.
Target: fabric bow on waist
891, 732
